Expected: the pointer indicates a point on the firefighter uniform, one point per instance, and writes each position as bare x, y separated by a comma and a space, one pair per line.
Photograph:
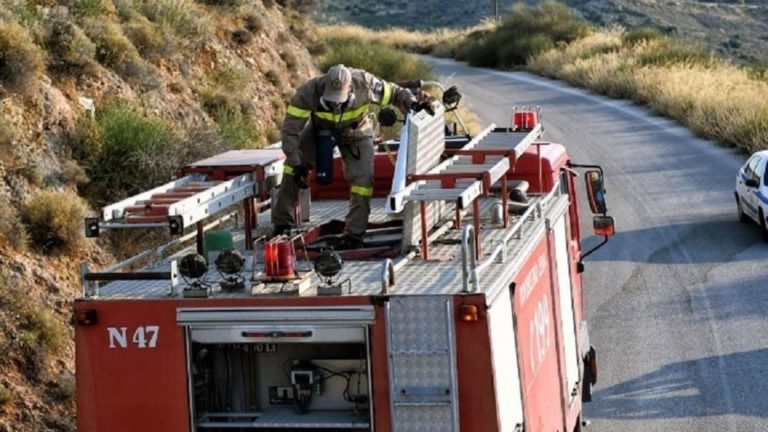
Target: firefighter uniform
338, 102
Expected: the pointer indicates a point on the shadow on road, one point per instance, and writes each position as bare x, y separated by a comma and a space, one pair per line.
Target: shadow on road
689, 389
708, 241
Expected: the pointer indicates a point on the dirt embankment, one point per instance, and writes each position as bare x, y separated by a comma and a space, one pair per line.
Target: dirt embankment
210, 75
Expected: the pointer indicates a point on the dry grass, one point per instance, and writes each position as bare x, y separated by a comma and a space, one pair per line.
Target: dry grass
19, 53
116, 51
379, 59
225, 89
399, 38
69, 48
151, 40
183, 17
54, 220
40, 333
715, 99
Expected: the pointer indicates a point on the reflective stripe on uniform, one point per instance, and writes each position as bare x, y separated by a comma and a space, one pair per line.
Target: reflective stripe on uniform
298, 112
387, 94
349, 115
287, 169
365, 191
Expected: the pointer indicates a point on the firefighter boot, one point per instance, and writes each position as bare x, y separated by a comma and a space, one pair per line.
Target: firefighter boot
358, 169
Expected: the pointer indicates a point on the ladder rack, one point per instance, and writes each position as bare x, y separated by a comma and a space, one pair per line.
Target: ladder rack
469, 174
202, 189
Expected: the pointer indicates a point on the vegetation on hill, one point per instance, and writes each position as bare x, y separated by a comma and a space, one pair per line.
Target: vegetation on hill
99, 99
715, 98
525, 32
732, 29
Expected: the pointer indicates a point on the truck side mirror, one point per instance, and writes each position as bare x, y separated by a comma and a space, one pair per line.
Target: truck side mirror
604, 225
595, 191
751, 183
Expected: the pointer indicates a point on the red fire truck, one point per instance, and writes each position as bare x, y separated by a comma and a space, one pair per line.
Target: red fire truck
464, 310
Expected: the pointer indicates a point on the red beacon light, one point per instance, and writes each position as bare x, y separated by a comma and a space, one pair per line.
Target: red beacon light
280, 259
525, 118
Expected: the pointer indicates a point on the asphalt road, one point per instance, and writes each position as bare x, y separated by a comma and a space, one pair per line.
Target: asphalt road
677, 301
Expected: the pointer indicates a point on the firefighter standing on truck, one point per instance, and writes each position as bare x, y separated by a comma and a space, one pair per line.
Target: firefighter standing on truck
335, 107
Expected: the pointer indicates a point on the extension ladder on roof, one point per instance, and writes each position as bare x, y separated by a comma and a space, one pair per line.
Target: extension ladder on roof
469, 174
204, 188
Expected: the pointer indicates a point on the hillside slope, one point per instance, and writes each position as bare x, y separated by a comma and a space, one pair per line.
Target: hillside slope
736, 30
193, 77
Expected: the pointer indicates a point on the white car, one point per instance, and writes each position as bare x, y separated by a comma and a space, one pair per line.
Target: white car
752, 191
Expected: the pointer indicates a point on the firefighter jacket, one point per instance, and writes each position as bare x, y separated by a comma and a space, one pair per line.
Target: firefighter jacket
349, 122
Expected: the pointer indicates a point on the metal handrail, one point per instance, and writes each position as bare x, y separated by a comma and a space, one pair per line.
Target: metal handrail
535, 211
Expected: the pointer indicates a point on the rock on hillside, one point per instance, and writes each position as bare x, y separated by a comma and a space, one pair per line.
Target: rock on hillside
209, 74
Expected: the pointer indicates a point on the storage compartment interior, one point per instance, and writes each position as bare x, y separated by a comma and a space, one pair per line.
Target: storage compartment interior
279, 386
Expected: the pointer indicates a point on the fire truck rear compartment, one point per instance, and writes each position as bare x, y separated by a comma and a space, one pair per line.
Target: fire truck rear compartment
283, 385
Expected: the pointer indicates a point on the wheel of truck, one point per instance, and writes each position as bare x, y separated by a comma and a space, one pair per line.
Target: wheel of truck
740, 211
763, 227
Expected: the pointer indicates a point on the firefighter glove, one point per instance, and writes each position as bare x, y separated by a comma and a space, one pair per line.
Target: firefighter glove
387, 117
423, 105
300, 174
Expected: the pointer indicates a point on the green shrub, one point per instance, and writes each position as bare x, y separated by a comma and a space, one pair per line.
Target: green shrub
668, 51
125, 151
7, 396
89, 8
182, 16
237, 129
225, 90
126, 9
116, 51
149, 39
54, 220
642, 34
69, 47
526, 32
19, 53
757, 71
40, 333
30, 14
63, 387
378, 59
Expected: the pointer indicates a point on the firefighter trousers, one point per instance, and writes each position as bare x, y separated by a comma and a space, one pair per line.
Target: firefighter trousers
357, 155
